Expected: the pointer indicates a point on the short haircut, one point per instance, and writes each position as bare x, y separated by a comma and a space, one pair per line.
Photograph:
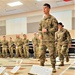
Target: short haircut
3, 36
24, 34
60, 23
48, 5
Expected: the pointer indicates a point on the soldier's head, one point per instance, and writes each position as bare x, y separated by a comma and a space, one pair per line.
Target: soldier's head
17, 36
4, 37
60, 25
46, 8
24, 35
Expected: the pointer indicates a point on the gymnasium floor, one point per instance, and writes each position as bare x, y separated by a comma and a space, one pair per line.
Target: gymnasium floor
26, 65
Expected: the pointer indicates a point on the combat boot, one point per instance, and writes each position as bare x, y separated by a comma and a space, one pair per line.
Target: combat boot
61, 64
41, 64
67, 59
53, 66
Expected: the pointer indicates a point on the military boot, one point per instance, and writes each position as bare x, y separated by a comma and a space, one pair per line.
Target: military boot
53, 66
61, 64
67, 59
41, 64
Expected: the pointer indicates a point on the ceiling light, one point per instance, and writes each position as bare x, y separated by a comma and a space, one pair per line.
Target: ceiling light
15, 4
38, 0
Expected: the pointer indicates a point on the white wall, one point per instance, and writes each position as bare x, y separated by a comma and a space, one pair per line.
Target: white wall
19, 25
16, 26
32, 19
65, 17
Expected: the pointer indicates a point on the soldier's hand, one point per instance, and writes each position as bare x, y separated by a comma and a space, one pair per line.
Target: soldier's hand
33, 45
55, 43
44, 30
16, 47
69, 45
40, 37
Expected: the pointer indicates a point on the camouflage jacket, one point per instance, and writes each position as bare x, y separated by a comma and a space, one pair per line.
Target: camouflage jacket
35, 41
62, 36
18, 42
50, 24
25, 41
11, 43
4, 43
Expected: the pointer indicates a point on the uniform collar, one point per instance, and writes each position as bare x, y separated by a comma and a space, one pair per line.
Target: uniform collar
47, 17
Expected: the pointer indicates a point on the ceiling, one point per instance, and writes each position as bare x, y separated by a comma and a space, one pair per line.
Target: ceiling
29, 5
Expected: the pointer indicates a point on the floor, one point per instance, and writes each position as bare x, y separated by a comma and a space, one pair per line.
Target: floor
26, 66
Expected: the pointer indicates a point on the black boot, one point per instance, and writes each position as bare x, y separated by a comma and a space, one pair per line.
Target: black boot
53, 66
67, 58
61, 64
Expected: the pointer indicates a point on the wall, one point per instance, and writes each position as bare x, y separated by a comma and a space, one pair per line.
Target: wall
16, 26
3, 27
73, 18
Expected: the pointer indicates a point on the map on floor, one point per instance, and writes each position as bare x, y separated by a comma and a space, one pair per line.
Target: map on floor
5, 73
2, 69
40, 70
15, 69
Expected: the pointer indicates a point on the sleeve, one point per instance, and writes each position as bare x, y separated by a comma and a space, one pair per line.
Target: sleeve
56, 37
68, 37
54, 25
40, 28
27, 42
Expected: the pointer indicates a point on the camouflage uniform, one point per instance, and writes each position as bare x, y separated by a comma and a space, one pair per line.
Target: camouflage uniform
63, 38
11, 47
35, 42
4, 48
48, 39
19, 45
26, 47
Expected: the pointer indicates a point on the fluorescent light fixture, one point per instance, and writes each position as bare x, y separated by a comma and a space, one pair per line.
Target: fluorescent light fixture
38, 0
15, 4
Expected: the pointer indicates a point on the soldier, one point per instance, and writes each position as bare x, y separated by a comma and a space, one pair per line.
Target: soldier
19, 45
63, 39
11, 46
4, 47
26, 46
35, 42
47, 29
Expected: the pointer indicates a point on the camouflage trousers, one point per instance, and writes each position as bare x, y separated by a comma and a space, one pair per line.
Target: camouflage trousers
51, 49
36, 51
11, 51
62, 51
4, 51
26, 51
19, 51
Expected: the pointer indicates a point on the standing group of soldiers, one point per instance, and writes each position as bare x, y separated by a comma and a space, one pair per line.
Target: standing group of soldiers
21, 47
